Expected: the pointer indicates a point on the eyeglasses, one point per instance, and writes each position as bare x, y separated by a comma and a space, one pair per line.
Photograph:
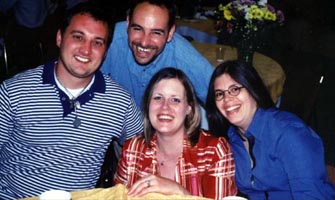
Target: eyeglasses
232, 91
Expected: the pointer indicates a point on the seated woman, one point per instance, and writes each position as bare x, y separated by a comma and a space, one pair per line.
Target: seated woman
277, 155
174, 156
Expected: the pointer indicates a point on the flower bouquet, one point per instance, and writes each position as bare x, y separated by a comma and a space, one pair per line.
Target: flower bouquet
246, 22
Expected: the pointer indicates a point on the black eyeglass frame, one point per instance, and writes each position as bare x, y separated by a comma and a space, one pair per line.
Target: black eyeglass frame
232, 91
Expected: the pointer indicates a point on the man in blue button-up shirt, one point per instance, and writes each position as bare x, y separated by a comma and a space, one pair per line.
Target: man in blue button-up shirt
146, 43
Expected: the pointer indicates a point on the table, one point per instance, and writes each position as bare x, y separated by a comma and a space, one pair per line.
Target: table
201, 30
119, 192
269, 70
204, 25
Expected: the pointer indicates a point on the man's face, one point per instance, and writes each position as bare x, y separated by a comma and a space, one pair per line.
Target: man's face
148, 32
82, 46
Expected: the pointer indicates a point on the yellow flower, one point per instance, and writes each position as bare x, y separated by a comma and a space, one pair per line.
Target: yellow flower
257, 13
227, 15
270, 16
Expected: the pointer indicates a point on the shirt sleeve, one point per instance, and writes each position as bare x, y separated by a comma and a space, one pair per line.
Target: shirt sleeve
134, 122
302, 155
121, 170
196, 66
5, 119
219, 179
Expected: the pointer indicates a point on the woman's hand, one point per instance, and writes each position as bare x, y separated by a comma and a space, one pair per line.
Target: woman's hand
156, 184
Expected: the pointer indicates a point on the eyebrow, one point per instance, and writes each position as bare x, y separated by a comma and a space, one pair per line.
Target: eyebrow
152, 30
82, 33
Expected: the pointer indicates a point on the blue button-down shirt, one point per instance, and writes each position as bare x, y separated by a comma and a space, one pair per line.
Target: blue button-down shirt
179, 53
288, 159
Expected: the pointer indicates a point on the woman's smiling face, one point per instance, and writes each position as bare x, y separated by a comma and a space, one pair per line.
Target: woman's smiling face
238, 110
168, 107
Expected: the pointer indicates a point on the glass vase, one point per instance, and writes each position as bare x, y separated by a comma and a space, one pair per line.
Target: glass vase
245, 52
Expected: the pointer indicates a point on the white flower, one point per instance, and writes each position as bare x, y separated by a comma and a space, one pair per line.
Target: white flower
262, 2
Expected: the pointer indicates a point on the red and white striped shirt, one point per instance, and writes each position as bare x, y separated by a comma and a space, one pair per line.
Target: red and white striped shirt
206, 170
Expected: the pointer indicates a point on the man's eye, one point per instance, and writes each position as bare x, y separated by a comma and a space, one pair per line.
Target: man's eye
158, 33
78, 37
135, 28
98, 43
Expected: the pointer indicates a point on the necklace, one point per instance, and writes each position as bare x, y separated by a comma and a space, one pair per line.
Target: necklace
74, 103
162, 162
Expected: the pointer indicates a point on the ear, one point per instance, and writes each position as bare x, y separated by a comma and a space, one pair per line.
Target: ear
189, 109
127, 22
58, 38
171, 32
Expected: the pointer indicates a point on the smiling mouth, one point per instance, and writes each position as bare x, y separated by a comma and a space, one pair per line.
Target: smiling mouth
81, 59
165, 117
232, 108
140, 49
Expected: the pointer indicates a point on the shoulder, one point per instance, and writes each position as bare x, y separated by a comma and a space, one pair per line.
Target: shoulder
186, 54
206, 140
281, 118
31, 78
278, 124
114, 88
135, 143
120, 30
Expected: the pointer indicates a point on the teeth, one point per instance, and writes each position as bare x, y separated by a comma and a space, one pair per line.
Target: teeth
143, 49
82, 59
232, 108
165, 117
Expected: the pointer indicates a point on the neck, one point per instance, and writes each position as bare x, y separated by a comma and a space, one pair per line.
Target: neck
164, 145
69, 81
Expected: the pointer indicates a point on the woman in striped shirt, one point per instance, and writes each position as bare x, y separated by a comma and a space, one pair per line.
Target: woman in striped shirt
174, 156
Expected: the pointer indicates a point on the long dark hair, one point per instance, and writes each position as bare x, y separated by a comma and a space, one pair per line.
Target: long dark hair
192, 121
245, 75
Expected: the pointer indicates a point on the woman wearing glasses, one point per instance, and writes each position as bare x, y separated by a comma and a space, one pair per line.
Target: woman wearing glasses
174, 156
277, 156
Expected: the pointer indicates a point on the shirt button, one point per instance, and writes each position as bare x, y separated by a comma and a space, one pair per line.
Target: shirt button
63, 99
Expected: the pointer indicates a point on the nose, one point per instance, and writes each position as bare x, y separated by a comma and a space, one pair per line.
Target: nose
227, 97
86, 48
165, 104
145, 40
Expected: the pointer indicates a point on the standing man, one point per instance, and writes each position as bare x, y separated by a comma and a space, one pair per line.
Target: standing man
146, 43
58, 119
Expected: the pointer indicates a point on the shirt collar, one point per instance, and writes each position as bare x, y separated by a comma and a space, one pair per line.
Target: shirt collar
255, 128
99, 86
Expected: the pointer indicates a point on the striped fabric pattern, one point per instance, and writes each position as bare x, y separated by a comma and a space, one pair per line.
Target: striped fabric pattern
40, 149
206, 170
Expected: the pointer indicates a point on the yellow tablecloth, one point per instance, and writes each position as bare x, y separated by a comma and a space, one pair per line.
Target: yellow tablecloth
204, 25
269, 70
118, 192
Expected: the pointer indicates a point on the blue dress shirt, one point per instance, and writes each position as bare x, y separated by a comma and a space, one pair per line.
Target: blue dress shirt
179, 53
288, 159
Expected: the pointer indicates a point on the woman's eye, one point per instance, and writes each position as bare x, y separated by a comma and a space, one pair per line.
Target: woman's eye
234, 89
157, 98
175, 100
219, 94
